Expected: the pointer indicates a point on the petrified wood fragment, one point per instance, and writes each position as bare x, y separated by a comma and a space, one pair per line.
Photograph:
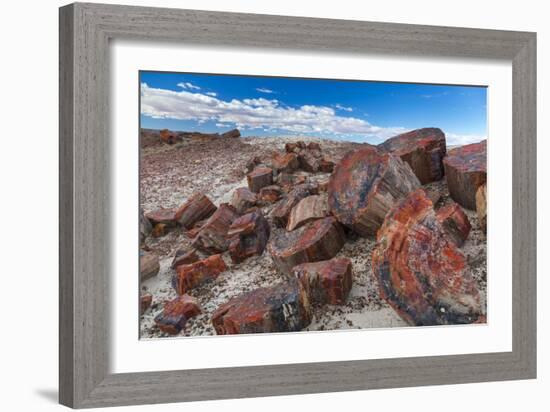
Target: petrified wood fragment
259, 177
326, 164
149, 265
318, 240
270, 194
423, 150
165, 216
176, 313
481, 206
309, 161
184, 257
233, 134
190, 276
197, 207
313, 146
212, 238
252, 163
248, 236
286, 162
159, 230
421, 272
145, 302
466, 170
169, 137
294, 147
281, 308
454, 222
145, 226
287, 181
308, 209
365, 185
328, 281
243, 199
281, 211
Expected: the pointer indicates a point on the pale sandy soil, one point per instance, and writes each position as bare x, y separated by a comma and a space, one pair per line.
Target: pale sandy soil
169, 174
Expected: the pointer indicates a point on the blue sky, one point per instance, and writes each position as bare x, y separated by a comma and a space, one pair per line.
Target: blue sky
338, 109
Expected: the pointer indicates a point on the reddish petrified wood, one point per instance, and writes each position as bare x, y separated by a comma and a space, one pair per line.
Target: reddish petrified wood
286, 162
365, 185
309, 160
294, 147
145, 303
169, 137
281, 211
423, 150
288, 181
190, 276
481, 206
326, 164
212, 238
243, 199
318, 240
270, 194
248, 236
455, 222
184, 257
164, 216
232, 134
149, 265
176, 313
421, 272
466, 170
308, 209
197, 207
259, 177
252, 163
281, 308
328, 281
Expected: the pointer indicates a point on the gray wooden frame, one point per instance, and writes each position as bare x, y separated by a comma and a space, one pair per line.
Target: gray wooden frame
85, 31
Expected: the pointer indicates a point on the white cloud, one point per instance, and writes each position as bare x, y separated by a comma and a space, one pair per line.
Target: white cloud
264, 90
264, 114
462, 139
187, 85
344, 108
213, 94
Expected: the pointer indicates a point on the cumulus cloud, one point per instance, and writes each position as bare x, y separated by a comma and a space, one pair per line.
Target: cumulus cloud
264, 90
462, 139
213, 94
344, 108
187, 85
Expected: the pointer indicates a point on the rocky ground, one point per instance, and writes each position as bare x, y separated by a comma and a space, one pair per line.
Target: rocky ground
169, 174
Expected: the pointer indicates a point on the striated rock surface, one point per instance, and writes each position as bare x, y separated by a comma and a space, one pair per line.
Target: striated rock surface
248, 236
197, 207
421, 272
184, 257
259, 177
243, 199
327, 282
318, 240
454, 222
308, 209
190, 276
281, 308
176, 313
423, 149
466, 170
212, 237
149, 265
364, 187
481, 206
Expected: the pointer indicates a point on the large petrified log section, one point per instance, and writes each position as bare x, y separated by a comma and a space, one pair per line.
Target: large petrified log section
365, 185
149, 265
197, 207
328, 281
190, 276
308, 209
481, 206
212, 237
454, 222
466, 170
318, 240
421, 272
243, 199
248, 236
281, 308
423, 149
259, 177
176, 313
281, 211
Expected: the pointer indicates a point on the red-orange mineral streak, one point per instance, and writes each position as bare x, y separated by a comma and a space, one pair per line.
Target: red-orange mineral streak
190, 276
176, 313
422, 274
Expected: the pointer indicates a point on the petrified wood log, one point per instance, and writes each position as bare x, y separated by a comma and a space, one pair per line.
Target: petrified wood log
454, 222
466, 170
287, 181
281, 308
308, 209
481, 206
190, 276
423, 150
197, 207
248, 236
309, 160
184, 257
328, 281
164, 216
270, 194
294, 147
259, 177
421, 272
176, 313
286, 162
243, 199
145, 302
281, 211
212, 238
149, 265
318, 240
326, 164
365, 185
232, 134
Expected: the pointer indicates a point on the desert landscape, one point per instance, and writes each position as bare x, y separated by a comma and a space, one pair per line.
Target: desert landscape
296, 233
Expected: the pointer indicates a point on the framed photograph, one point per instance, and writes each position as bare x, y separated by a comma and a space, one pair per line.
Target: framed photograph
257, 205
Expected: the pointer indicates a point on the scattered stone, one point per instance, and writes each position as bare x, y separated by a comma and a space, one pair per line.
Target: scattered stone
365, 185
243, 199
423, 150
149, 265
176, 313
281, 211
145, 303
270, 194
168, 136
319, 240
190, 276
421, 272
308, 209
159, 230
327, 282
248, 236
259, 177
466, 170
281, 308
454, 222
481, 206
286, 162
184, 257
165, 216
212, 237
197, 207
294, 147
233, 134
